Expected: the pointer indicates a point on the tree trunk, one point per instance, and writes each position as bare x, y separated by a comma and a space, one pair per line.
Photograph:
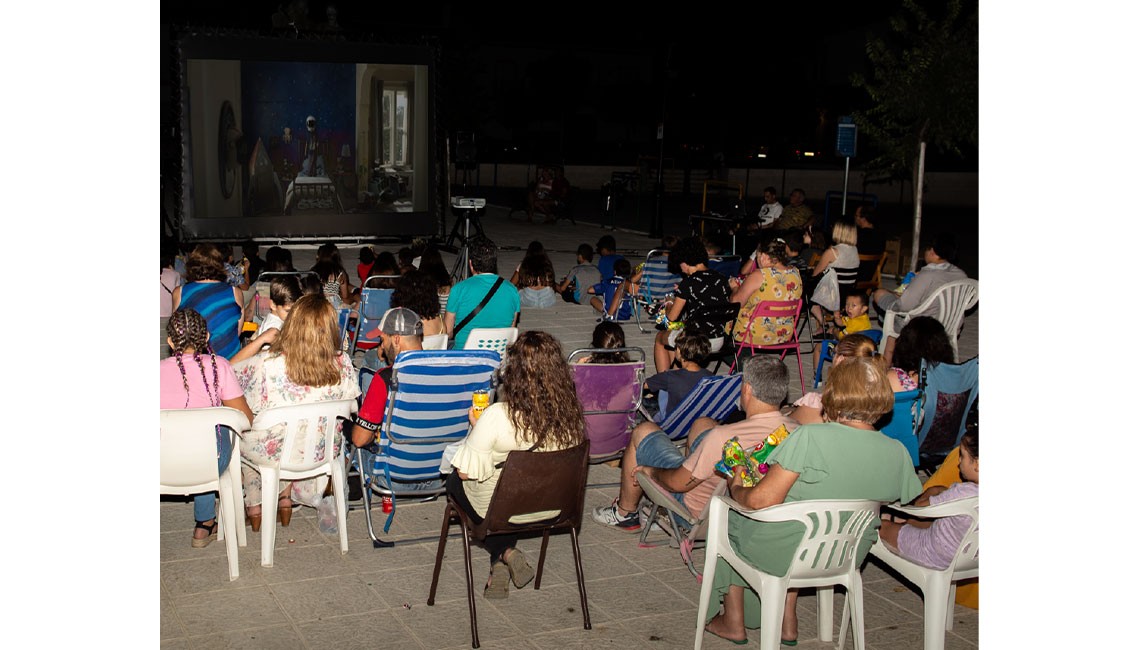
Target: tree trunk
920, 173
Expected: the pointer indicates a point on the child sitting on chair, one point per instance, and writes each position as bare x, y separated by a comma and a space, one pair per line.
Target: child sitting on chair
609, 295
933, 544
854, 317
673, 386
283, 292
608, 335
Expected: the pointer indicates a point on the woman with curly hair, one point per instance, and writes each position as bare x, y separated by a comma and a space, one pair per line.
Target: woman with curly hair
417, 291
184, 382
303, 365
536, 409
207, 293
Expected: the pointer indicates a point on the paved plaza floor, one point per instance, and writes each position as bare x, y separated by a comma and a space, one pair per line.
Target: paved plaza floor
314, 597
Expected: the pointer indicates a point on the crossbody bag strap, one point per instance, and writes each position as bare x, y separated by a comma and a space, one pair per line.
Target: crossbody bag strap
479, 307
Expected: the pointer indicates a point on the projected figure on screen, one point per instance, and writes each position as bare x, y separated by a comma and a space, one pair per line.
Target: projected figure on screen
312, 151
312, 188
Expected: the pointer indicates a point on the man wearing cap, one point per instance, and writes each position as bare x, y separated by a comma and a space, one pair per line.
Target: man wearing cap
400, 330
482, 300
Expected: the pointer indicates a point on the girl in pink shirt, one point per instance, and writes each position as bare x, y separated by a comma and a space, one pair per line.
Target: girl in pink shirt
195, 377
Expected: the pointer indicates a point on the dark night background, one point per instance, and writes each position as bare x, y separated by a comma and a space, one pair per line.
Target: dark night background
587, 83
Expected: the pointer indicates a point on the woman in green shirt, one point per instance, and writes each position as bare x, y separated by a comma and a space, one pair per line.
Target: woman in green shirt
842, 458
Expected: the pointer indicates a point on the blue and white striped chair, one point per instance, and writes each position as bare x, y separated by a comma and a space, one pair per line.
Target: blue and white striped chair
656, 281
428, 401
715, 397
374, 301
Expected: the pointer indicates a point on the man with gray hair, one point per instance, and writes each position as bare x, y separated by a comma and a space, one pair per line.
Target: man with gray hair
693, 478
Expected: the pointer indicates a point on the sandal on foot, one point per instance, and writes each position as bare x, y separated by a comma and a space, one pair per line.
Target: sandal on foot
743, 641
790, 644
211, 534
521, 571
499, 585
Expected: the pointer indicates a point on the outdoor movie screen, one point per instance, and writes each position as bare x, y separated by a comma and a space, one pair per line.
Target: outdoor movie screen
281, 147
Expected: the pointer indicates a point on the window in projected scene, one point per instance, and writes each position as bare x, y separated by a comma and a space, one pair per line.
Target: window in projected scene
395, 132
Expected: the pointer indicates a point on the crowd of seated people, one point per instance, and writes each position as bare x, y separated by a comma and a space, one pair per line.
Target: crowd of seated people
833, 450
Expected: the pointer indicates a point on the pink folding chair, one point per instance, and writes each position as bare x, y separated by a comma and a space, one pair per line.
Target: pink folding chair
775, 309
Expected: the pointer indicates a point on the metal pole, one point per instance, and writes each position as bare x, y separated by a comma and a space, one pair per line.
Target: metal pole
846, 172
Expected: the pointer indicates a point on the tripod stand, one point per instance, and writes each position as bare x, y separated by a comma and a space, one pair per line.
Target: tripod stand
466, 213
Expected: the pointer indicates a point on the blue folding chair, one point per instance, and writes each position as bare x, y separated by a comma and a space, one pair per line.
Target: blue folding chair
428, 401
715, 397
902, 420
373, 303
948, 392
827, 352
656, 281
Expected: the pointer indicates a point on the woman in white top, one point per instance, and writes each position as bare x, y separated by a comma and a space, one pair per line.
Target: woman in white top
537, 408
841, 255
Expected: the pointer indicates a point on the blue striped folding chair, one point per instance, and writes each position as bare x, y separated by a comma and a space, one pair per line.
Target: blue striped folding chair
715, 397
656, 281
373, 303
427, 408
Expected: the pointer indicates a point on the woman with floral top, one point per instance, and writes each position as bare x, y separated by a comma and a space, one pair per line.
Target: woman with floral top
303, 365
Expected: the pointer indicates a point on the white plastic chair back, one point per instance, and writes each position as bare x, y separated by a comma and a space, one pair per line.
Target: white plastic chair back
188, 464
825, 558
491, 338
311, 434
435, 342
949, 302
938, 586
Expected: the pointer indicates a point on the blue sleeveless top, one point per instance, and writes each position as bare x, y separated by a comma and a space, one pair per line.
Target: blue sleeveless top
215, 302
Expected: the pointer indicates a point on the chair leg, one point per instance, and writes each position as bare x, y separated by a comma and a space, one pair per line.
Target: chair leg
541, 559
706, 593
581, 580
233, 475
337, 470
771, 615
270, 489
950, 606
227, 521
855, 596
825, 612
470, 588
439, 553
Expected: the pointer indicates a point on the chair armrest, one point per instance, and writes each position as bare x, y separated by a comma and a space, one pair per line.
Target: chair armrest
664, 498
957, 507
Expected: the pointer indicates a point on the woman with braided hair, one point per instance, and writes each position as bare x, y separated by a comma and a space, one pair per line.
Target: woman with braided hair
194, 377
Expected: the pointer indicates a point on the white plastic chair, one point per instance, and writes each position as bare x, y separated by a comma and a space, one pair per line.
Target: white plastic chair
938, 586
950, 302
491, 338
435, 342
825, 558
188, 464
304, 454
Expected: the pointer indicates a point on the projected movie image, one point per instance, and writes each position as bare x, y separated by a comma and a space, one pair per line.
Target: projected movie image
305, 140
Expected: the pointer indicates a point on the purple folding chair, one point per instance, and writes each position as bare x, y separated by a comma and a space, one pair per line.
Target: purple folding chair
611, 396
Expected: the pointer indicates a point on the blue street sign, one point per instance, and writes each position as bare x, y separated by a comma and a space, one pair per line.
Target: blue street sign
845, 139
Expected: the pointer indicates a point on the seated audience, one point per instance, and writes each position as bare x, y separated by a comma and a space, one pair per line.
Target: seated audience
608, 335
417, 291
580, 277
478, 301
698, 289
772, 280
937, 272
610, 295
673, 386
523, 417
921, 339
284, 290
184, 382
809, 408
933, 543
842, 458
207, 293
764, 389
536, 282
303, 365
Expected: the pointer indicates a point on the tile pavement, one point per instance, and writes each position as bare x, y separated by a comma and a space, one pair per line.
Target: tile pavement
376, 598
